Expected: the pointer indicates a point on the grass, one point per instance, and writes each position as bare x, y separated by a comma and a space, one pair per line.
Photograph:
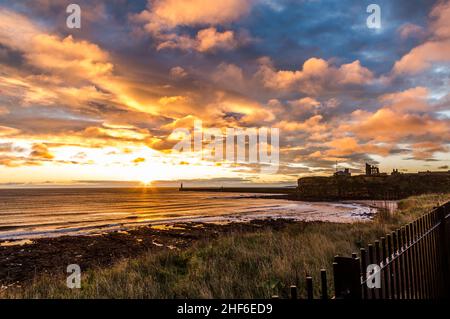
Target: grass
255, 264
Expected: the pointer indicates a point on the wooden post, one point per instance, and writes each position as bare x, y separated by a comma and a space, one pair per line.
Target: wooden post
371, 292
364, 273
385, 271
409, 279
444, 251
406, 283
323, 279
434, 253
412, 260
378, 261
422, 260
309, 287
418, 278
347, 278
391, 267
426, 258
429, 262
293, 292
396, 265
401, 265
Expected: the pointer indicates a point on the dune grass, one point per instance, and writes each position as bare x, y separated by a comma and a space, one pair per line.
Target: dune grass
255, 264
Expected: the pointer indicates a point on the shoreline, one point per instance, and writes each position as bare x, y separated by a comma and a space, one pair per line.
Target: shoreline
334, 211
37, 265
21, 260
19, 264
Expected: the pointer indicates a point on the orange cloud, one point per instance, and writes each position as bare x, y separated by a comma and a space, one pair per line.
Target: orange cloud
347, 146
409, 30
178, 72
354, 73
315, 75
69, 56
229, 76
305, 104
50, 52
311, 125
209, 39
414, 99
425, 150
206, 40
8, 131
41, 151
139, 160
389, 126
422, 57
79, 73
16, 30
436, 49
163, 14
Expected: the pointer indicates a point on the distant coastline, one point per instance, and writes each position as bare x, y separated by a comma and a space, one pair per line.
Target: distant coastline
258, 190
379, 186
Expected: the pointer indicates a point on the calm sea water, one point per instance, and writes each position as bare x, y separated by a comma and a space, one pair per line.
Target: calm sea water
33, 213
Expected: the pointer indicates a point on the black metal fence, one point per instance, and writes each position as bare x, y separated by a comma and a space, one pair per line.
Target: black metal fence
412, 262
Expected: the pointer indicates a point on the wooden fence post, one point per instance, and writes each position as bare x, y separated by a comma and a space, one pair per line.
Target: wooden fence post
309, 288
444, 250
293, 292
347, 278
323, 280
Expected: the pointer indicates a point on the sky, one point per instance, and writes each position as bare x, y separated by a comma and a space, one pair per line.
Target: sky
105, 104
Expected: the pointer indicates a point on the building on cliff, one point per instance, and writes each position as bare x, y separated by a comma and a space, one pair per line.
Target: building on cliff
374, 186
372, 170
345, 172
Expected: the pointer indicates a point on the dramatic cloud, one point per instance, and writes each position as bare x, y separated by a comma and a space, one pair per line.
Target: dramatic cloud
315, 76
229, 76
168, 14
210, 39
435, 49
206, 40
162, 17
104, 101
387, 125
178, 72
410, 30
414, 99
41, 151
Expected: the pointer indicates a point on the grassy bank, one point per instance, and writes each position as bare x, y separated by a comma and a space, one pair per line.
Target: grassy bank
254, 264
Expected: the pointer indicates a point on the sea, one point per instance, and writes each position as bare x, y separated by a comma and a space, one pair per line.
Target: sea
37, 213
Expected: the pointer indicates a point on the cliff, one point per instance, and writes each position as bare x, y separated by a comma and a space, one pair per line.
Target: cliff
373, 187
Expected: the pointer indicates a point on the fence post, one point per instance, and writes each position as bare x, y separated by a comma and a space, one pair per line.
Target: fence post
323, 279
347, 278
293, 292
444, 251
309, 288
